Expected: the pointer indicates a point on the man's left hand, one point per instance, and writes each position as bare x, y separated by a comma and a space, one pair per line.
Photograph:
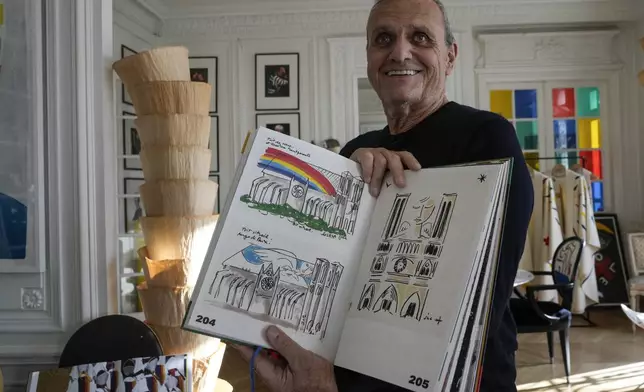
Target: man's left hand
302, 370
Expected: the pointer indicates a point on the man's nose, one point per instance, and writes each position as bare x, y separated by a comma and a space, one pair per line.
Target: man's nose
401, 51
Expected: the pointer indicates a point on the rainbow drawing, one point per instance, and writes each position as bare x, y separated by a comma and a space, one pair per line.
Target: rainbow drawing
286, 164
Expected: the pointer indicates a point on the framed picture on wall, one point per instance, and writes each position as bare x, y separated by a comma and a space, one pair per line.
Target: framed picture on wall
213, 144
125, 97
204, 69
277, 81
215, 178
131, 143
610, 263
286, 123
132, 203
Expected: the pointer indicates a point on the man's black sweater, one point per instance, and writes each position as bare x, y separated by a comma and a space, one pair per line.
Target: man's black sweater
452, 135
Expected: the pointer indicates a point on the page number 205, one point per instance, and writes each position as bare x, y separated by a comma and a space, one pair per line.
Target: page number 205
421, 382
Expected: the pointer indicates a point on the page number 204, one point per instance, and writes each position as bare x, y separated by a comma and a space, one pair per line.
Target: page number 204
421, 382
206, 320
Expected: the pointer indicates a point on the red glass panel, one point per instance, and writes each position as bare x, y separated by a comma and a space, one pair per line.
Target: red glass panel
593, 162
563, 102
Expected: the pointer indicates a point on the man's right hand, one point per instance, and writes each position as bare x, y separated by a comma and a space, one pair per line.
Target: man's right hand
375, 161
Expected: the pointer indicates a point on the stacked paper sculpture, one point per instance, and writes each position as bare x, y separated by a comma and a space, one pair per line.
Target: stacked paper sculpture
177, 196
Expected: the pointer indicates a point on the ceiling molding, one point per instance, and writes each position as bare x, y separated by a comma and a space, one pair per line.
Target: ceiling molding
269, 19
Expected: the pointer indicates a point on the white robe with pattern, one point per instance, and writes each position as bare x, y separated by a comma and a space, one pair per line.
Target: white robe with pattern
544, 234
577, 218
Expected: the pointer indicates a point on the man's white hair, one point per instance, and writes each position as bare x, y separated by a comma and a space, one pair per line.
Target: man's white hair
449, 35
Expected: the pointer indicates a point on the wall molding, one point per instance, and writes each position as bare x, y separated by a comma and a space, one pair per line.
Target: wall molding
538, 50
268, 19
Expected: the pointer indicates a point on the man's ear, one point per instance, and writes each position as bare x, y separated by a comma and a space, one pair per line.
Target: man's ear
452, 53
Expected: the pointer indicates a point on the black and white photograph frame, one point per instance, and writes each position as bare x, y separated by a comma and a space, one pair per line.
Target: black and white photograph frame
213, 144
215, 177
131, 143
286, 123
277, 81
132, 204
205, 69
125, 97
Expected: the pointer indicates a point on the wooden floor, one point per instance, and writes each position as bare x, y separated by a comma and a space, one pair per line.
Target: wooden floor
605, 358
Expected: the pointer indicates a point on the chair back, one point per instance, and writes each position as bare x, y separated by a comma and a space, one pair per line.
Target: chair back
110, 338
565, 264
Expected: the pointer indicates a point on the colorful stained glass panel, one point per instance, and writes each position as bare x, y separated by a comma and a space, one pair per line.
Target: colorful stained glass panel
501, 103
593, 162
589, 132
563, 102
565, 134
588, 102
531, 159
527, 132
598, 196
525, 102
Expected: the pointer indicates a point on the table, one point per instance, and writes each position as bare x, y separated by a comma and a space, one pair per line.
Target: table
523, 277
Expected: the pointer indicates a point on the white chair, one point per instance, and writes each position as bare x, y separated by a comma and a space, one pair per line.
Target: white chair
636, 259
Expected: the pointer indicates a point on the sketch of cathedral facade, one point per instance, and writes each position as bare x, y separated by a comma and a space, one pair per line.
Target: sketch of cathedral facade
310, 190
407, 257
273, 284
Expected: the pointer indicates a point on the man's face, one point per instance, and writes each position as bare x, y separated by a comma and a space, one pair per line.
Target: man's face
408, 59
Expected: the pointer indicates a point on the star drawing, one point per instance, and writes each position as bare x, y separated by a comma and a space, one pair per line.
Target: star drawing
482, 178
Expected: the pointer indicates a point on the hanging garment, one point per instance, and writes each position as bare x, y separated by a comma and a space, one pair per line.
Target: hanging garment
577, 219
544, 234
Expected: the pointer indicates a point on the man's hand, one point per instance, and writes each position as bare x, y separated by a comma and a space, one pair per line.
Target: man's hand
375, 161
303, 370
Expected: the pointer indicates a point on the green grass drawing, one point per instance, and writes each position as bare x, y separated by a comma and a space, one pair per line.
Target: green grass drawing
296, 217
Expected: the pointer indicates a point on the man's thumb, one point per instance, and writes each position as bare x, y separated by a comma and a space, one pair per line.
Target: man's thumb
283, 344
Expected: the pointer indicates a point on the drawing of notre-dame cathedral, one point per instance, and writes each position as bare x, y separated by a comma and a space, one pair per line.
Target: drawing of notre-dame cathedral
274, 285
310, 190
407, 256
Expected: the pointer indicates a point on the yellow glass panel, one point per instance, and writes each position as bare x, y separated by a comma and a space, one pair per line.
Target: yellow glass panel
1, 15
589, 133
531, 159
501, 103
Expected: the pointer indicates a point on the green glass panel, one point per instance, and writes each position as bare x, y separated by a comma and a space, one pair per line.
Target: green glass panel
527, 132
588, 102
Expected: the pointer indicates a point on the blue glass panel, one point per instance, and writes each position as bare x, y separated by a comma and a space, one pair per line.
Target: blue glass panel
565, 134
13, 228
525, 103
598, 196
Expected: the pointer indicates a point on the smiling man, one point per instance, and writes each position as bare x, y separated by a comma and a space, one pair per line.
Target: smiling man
411, 52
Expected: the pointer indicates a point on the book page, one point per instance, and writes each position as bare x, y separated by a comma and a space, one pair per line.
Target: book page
422, 246
287, 247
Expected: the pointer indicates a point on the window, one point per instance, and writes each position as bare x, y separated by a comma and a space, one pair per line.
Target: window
556, 124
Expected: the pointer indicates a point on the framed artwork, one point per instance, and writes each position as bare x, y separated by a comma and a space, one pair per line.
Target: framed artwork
205, 69
213, 144
132, 203
215, 178
131, 143
610, 264
125, 97
277, 81
636, 250
286, 123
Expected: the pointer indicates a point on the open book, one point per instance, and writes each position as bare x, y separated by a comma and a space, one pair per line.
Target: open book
396, 287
